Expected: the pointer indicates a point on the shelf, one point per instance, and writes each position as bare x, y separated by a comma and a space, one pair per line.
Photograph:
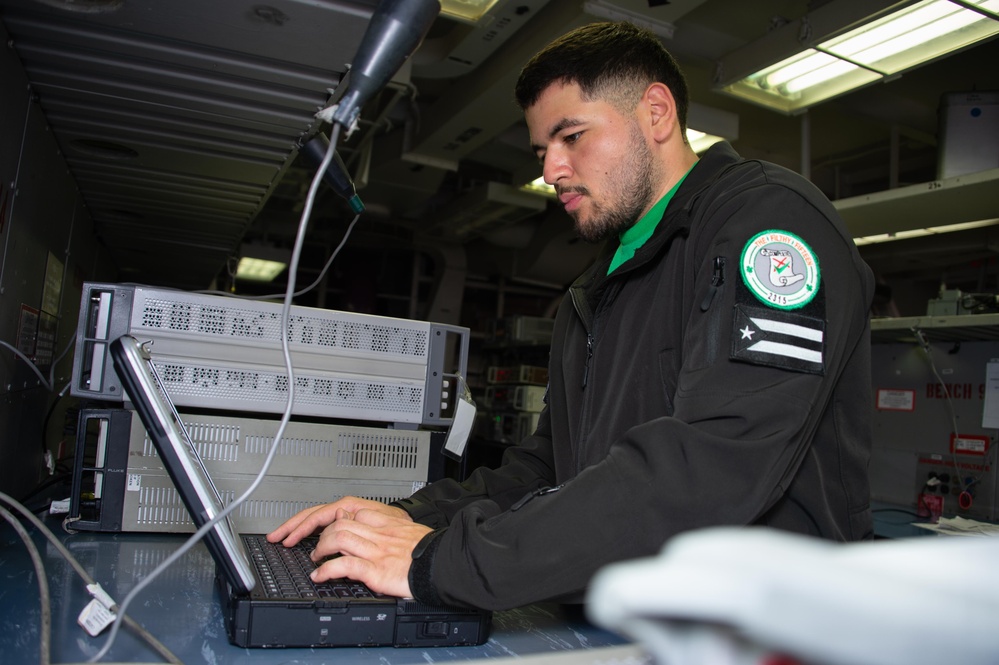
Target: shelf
964, 328
959, 199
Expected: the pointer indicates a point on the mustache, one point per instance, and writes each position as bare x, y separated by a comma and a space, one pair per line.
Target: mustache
572, 189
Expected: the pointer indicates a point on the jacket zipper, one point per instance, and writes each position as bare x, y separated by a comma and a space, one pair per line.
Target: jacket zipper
717, 279
588, 327
589, 354
536, 493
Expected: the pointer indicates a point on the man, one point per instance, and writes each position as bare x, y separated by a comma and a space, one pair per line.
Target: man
712, 367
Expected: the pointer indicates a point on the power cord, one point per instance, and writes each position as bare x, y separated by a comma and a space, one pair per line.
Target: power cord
297, 294
285, 318
45, 629
48, 384
44, 598
34, 368
50, 381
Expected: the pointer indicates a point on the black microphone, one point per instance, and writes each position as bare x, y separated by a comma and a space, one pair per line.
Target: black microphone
336, 173
397, 27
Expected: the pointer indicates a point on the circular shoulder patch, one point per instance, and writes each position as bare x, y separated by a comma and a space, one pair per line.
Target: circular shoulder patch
780, 269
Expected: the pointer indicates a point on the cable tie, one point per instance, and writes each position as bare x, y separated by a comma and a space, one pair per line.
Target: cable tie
101, 595
327, 114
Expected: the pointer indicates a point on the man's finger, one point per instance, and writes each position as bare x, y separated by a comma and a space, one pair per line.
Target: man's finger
344, 537
351, 567
303, 524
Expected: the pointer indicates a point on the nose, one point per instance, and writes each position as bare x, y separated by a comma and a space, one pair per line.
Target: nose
556, 167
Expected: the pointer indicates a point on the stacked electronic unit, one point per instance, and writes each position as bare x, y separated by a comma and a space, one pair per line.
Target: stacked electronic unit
373, 399
515, 398
515, 393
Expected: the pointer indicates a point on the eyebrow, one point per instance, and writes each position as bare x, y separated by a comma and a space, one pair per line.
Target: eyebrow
556, 128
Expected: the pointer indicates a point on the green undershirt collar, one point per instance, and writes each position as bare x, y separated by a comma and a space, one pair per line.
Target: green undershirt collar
639, 233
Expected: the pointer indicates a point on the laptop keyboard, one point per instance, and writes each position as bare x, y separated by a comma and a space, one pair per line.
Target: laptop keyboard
284, 572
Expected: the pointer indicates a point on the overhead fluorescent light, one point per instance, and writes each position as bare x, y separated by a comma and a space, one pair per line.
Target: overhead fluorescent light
539, 186
469, 11
699, 141
847, 44
261, 263
916, 233
259, 270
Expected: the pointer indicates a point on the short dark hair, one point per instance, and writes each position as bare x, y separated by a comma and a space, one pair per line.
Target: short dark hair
606, 60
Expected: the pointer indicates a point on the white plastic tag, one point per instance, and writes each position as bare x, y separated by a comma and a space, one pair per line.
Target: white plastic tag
95, 618
461, 424
461, 428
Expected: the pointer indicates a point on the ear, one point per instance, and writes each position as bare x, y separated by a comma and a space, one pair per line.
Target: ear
661, 106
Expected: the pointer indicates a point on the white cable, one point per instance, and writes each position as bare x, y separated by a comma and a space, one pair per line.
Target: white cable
285, 317
45, 657
84, 575
34, 368
322, 273
47, 383
55, 362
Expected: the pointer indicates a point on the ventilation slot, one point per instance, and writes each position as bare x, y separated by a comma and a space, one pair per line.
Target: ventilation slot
381, 452
162, 506
192, 384
222, 322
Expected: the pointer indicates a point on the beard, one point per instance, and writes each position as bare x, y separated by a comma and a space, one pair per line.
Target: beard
633, 181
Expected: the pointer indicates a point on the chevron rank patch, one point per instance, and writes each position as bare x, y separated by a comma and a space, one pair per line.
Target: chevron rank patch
780, 269
775, 338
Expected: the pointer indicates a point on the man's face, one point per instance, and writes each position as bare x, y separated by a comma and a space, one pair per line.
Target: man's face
596, 157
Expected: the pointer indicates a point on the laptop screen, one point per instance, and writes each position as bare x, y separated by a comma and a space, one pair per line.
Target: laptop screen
181, 459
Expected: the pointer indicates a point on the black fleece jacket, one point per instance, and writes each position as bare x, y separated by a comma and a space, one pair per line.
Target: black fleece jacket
658, 419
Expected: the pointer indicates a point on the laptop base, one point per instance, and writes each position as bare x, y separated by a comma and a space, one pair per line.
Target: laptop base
330, 623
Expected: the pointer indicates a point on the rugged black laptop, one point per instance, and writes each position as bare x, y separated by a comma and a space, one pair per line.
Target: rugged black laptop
267, 606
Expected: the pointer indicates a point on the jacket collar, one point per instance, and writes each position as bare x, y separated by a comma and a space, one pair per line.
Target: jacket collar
677, 218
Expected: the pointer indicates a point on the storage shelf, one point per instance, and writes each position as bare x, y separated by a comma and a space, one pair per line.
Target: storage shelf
963, 328
959, 199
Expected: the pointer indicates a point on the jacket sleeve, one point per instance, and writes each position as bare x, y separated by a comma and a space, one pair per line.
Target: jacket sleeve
525, 467
727, 454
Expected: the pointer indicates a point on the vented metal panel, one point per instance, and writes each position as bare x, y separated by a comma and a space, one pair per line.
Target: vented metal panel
229, 444
328, 394
198, 317
315, 464
224, 353
239, 321
155, 505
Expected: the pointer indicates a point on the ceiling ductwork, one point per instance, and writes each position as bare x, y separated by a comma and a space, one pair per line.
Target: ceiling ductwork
180, 123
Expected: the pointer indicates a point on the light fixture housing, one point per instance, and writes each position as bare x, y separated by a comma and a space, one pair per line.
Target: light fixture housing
261, 263
611, 12
847, 44
918, 233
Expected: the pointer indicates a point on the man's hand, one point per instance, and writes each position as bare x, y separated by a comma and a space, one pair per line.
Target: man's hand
374, 547
312, 519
